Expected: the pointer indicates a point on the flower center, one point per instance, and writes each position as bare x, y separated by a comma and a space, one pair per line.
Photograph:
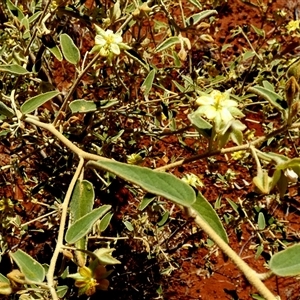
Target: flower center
218, 101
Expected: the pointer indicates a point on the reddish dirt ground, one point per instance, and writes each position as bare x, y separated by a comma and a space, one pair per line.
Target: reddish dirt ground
202, 271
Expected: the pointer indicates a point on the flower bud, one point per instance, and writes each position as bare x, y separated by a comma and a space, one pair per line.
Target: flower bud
294, 70
291, 90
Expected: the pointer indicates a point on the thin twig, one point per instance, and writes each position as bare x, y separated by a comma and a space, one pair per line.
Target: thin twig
73, 88
60, 237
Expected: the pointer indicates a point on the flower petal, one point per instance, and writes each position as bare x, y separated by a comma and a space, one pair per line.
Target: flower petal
229, 103
205, 100
115, 49
99, 40
225, 115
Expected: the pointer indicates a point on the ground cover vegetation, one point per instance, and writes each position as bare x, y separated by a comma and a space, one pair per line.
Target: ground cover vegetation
114, 119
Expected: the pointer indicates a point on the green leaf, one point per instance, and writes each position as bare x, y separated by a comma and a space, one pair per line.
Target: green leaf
146, 201
82, 200
128, 225
268, 85
248, 54
263, 182
105, 257
237, 136
196, 18
81, 203
5, 287
82, 106
164, 219
62, 290
36, 101
155, 182
29, 267
82, 226
168, 43
56, 52
286, 262
14, 10
268, 95
6, 111
34, 16
202, 126
13, 69
261, 221
148, 82
69, 49
233, 205
207, 213
105, 221
196, 3
258, 31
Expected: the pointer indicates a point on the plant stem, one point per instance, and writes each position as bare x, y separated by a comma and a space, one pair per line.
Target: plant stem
60, 237
249, 273
64, 140
256, 142
73, 88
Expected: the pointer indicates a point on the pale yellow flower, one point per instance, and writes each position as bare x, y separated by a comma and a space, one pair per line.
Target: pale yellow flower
192, 180
218, 107
108, 43
293, 25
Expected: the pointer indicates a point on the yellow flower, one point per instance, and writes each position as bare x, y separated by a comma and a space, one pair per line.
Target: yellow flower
293, 25
134, 159
108, 43
192, 180
88, 280
218, 107
238, 155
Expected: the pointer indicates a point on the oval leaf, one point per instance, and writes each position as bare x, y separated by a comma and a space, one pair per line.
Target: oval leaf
196, 18
269, 95
207, 213
168, 43
82, 106
82, 202
82, 226
36, 101
155, 182
147, 84
6, 111
29, 267
14, 10
56, 52
261, 221
286, 262
105, 221
13, 69
69, 49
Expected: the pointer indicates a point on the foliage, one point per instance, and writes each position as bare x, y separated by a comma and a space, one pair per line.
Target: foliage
130, 69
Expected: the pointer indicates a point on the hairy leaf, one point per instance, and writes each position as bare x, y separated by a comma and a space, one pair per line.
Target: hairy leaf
81, 203
36, 101
29, 267
286, 262
82, 106
196, 18
69, 49
207, 213
148, 82
82, 226
13, 69
168, 43
155, 182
